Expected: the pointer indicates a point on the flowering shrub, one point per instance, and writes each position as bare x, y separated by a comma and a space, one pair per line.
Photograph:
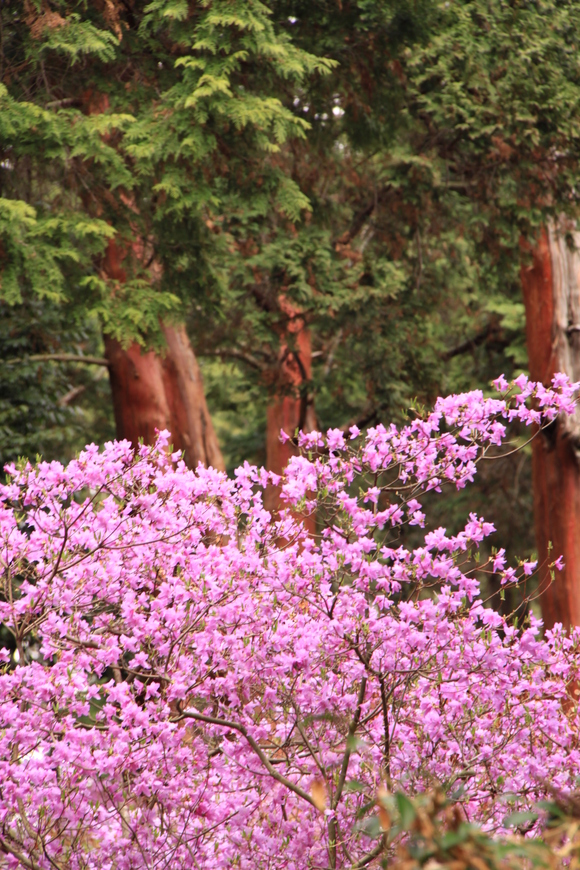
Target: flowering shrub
196, 684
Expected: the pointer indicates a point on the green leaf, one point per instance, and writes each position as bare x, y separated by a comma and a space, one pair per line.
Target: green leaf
406, 810
454, 838
372, 827
519, 818
353, 785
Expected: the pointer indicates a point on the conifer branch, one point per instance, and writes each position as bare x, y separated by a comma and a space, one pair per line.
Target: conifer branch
59, 357
241, 355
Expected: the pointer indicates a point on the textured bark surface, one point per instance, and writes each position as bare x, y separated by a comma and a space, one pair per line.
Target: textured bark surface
289, 408
152, 391
160, 391
551, 287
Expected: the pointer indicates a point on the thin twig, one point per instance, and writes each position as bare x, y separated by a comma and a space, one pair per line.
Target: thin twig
370, 856
387, 749
241, 729
237, 354
351, 731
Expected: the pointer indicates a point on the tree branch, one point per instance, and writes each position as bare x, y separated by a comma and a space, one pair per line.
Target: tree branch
61, 104
362, 216
370, 856
309, 747
365, 418
265, 300
71, 396
471, 343
387, 749
352, 728
241, 729
237, 354
59, 357
11, 850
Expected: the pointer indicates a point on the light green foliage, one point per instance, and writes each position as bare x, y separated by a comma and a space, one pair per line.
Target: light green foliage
75, 37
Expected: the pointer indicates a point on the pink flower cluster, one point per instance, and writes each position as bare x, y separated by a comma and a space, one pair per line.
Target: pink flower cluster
194, 683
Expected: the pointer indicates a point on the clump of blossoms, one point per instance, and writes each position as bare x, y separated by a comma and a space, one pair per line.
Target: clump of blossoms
194, 683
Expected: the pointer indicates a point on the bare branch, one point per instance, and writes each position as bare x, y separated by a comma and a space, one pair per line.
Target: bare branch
352, 728
237, 354
241, 729
473, 342
71, 396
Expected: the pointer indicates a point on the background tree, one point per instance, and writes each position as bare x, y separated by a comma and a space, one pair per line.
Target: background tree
461, 126
376, 200
198, 122
500, 93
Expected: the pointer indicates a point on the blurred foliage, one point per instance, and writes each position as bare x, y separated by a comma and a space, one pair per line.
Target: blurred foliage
433, 831
46, 407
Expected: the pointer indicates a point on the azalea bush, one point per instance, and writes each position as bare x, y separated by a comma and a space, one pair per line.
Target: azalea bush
192, 682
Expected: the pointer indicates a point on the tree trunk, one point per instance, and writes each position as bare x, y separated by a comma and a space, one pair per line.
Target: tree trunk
153, 391
551, 287
289, 408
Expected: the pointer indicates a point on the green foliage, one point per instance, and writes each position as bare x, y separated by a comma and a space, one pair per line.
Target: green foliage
433, 831
108, 134
49, 408
75, 37
239, 412
134, 124
504, 89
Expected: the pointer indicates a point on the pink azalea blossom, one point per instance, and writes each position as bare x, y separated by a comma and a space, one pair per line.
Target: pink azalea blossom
194, 683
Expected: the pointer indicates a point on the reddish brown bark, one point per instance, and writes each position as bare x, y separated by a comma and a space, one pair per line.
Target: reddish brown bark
152, 391
160, 391
551, 288
289, 408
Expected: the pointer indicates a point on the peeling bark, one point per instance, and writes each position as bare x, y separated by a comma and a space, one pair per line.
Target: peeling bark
160, 391
153, 391
551, 287
289, 408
